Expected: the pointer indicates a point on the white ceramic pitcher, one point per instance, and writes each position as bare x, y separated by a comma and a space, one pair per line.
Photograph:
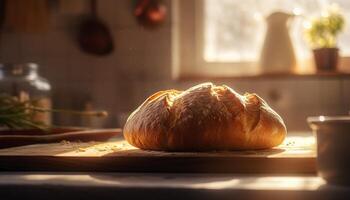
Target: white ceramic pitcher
277, 53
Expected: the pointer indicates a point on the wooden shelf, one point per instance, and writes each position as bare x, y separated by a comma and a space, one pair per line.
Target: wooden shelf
318, 75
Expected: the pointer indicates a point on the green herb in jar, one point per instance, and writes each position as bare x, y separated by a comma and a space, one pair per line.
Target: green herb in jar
16, 114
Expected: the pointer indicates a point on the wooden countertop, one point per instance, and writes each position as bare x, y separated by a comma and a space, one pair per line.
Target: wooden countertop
26, 185
101, 185
295, 155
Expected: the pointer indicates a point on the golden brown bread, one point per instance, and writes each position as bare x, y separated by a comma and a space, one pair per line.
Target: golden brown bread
204, 118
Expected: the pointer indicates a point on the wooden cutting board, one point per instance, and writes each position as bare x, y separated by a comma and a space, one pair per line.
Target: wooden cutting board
295, 155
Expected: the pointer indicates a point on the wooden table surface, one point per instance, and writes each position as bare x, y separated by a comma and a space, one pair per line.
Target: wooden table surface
101, 185
20, 185
295, 155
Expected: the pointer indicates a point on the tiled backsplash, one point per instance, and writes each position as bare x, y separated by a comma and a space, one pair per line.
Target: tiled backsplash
141, 65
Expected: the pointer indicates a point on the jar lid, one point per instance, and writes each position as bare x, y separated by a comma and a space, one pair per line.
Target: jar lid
5, 66
16, 69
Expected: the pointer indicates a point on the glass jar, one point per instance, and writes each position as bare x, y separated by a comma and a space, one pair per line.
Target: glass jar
23, 81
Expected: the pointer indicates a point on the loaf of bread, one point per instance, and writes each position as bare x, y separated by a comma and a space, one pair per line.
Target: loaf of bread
204, 118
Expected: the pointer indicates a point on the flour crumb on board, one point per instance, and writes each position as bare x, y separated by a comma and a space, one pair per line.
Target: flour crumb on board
81, 149
64, 142
100, 147
290, 143
94, 146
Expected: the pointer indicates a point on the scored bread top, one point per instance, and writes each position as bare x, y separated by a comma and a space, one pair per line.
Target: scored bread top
204, 117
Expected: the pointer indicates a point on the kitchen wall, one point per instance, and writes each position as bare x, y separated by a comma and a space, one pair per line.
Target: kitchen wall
141, 65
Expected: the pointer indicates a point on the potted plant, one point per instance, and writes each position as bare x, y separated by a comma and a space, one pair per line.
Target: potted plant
322, 34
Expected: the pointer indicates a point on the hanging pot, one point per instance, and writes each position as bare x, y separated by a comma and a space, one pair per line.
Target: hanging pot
150, 13
94, 35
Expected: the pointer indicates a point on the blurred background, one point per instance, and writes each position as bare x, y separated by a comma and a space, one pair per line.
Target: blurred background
175, 44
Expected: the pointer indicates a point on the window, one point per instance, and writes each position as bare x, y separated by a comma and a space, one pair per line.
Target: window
224, 37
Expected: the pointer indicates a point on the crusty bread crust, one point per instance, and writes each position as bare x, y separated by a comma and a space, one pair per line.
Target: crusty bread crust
204, 118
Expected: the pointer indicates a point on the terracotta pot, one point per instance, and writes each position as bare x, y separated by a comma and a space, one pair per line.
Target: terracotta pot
326, 59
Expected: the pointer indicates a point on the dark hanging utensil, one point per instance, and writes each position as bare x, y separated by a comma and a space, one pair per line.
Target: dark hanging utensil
150, 13
2, 12
94, 35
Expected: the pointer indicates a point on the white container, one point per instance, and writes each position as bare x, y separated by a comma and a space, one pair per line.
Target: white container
277, 53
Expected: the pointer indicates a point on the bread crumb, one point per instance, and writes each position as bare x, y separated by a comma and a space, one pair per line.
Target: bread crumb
64, 142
